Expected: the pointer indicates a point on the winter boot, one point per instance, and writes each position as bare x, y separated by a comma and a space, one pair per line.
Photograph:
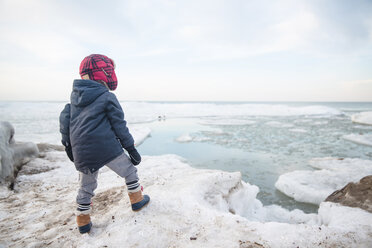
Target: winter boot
83, 218
84, 223
138, 200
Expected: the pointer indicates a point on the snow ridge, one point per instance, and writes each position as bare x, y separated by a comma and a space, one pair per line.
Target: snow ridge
189, 208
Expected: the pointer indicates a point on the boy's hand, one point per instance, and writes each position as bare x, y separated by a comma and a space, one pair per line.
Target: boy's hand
68, 150
135, 157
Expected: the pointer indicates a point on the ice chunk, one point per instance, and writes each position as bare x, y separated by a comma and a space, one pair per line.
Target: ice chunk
243, 201
315, 186
302, 120
184, 138
362, 118
362, 139
335, 215
319, 123
279, 124
140, 134
298, 130
362, 127
227, 122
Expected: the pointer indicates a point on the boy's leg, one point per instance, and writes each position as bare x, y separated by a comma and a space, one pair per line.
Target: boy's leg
87, 185
124, 168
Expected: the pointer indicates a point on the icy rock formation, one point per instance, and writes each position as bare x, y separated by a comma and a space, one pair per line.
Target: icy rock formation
355, 194
13, 154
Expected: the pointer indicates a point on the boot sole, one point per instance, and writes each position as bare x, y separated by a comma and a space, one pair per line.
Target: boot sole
86, 228
138, 209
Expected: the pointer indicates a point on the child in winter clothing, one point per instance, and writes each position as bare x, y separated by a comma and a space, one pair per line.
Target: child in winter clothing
94, 134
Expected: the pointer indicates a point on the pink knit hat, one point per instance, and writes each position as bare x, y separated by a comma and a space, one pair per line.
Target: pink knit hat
99, 68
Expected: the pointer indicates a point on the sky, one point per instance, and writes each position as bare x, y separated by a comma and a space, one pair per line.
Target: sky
195, 50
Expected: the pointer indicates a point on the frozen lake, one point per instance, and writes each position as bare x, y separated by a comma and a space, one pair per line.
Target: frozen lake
261, 140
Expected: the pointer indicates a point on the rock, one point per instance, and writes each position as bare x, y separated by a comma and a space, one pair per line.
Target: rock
13, 154
355, 194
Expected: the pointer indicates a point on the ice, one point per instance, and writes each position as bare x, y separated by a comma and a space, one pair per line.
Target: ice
227, 122
38, 121
243, 202
189, 208
362, 127
303, 120
149, 111
320, 123
184, 138
298, 130
333, 215
362, 139
140, 134
315, 186
363, 118
279, 124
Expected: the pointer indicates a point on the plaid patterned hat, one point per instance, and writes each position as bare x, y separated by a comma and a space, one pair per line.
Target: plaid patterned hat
99, 68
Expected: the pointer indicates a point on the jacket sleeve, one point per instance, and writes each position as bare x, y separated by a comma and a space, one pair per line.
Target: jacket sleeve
119, 125
64, 125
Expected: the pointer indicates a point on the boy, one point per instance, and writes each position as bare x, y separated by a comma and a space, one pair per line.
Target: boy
94, 134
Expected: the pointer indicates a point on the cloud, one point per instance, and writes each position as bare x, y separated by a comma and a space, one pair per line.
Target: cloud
293, 41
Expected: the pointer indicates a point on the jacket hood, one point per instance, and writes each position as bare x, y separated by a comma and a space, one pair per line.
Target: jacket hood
84, 92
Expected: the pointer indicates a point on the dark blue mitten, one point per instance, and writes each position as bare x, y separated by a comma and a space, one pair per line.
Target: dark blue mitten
135, 157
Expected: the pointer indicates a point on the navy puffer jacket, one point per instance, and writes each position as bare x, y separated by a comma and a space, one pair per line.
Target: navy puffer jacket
94, 126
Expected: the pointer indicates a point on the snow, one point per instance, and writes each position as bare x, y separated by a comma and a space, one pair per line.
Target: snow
332, 174
362, 139
363, 118
189, 208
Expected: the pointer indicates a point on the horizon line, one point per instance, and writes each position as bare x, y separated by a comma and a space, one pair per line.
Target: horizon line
202, 101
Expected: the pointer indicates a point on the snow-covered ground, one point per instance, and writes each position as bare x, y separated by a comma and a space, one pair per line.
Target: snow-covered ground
189, 208
363, 118
313, 186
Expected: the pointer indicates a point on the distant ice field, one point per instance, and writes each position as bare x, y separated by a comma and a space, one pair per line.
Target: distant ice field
261, 140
